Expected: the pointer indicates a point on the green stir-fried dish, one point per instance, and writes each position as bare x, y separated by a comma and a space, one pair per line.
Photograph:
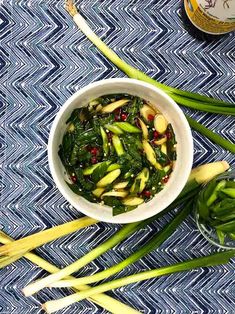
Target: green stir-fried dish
118, 151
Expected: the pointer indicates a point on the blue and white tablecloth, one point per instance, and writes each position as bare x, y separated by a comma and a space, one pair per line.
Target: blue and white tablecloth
44, 60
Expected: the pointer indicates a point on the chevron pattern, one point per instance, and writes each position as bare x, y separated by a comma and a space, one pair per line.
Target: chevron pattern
45, 59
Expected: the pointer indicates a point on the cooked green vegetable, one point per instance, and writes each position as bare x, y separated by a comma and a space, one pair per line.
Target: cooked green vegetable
113, 167
150, 154
117, 104
142, 177
109, 178
105, 141
121, 185
133, 201
89, 170
98, 192
144, 129
118, 145
99, 172
127, 127
103, 148
114, 128
170, 143
120, 194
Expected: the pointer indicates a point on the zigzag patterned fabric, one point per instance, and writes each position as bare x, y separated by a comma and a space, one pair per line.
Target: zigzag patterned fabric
44, 60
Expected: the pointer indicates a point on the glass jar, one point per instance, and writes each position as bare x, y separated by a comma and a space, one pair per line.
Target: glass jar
214, 17
206, 229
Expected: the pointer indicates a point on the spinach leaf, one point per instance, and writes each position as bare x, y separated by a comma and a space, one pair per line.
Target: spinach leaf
171, 141
154, 179
161, 157
87, 137
136, 186
78, 190
83, 181
84, 155
74, 155
74, 116
117, 210
133, 109
99, 172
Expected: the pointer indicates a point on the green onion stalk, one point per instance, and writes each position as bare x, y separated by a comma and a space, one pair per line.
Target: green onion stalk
154, 243
192, 100
191, 188
105, 301
11, 252
126, 231
216, 138
188, 192
211, 260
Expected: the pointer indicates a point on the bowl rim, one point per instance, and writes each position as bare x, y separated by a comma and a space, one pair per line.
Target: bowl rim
77, 94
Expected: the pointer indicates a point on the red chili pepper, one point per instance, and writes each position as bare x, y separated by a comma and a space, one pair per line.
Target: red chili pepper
147, 194
116, 117
74, 179
165, 179
124, 116
155, 134
117, 111
94, 151
150, 117
94, 160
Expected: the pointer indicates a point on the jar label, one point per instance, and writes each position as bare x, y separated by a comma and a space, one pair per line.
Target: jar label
212, 16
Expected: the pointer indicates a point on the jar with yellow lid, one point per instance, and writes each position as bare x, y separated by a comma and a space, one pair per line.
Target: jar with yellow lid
214, 17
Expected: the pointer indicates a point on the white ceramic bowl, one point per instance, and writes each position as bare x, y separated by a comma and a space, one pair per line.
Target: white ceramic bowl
173, 114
